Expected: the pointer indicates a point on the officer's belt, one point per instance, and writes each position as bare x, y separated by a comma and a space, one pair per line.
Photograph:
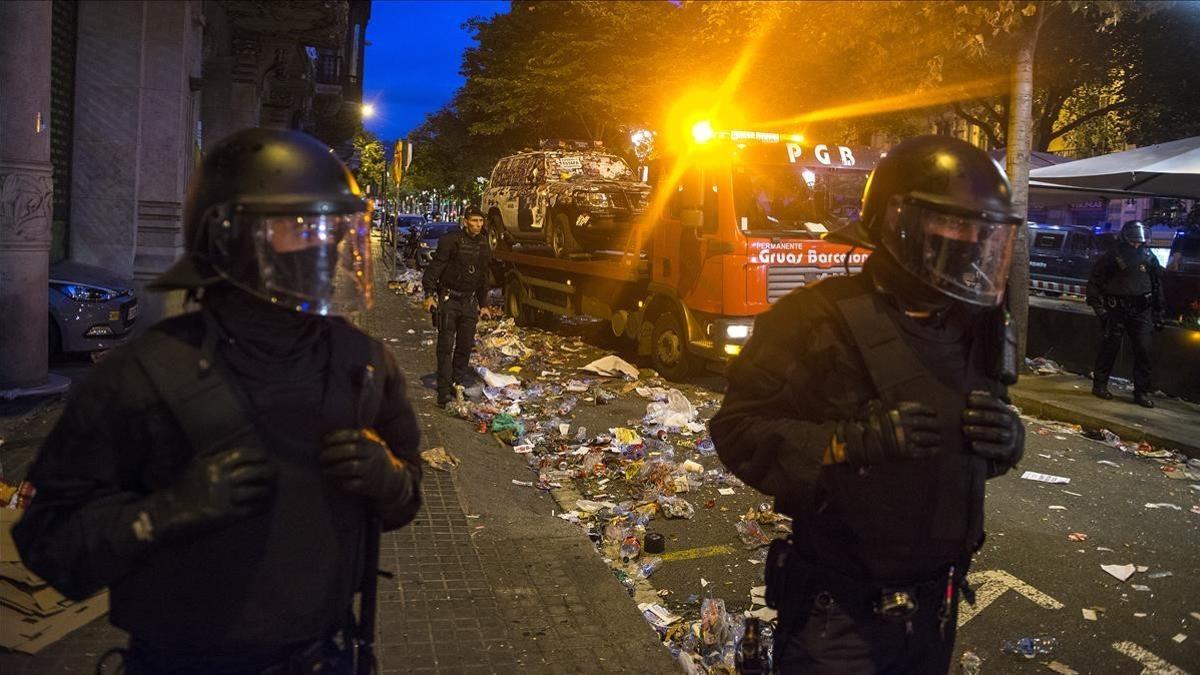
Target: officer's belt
1141, 301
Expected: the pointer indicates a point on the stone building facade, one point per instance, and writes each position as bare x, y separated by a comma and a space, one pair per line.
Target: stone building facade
108, 105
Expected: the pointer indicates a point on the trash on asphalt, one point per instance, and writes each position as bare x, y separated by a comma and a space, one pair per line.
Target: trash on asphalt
1077, 536
1120, 572
1030, 647
1061, 668
1179, 638
1163, 505
1045, 477
438, 458
1043, 366
612, 366
969, 663
1092, 613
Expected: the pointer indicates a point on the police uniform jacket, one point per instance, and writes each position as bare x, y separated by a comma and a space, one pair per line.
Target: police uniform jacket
284, 576
1126, 272
460, 265
798, 375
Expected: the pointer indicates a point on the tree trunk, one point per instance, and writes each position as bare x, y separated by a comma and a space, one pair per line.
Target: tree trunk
1020, 132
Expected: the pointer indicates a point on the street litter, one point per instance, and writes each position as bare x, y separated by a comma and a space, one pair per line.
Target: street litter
728, 492
1108, 462
1077, 536
1057, 507
1158, 575
1061, 668
1045, 477
1030, 647
1179, 638
1120, 572
498, 380
970, 663
1092, 613
612, 366
1043, 366
676, 412
1162, 505
1140, 588
437, 458
657, 615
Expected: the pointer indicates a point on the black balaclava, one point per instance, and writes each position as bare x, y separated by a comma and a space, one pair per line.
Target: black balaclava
266, 342
910, 292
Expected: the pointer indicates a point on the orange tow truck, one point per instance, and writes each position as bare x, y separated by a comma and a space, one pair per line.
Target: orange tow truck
734, 223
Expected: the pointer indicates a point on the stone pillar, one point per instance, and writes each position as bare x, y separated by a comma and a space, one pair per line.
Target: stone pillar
135, 117
25, 193
232, 94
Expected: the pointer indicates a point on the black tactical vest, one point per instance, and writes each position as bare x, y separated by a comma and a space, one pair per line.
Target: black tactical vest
468, 265
1131, 272
902, 521
286, 575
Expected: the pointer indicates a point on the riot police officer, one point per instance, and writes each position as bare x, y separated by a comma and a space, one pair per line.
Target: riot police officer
456, 286
872, 407
1125, 291
189, 473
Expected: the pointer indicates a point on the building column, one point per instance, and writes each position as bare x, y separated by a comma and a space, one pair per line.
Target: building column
25, 193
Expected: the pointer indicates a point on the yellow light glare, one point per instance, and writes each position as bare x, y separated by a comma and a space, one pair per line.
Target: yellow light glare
368, 110
733, 350
702, 131
796, 138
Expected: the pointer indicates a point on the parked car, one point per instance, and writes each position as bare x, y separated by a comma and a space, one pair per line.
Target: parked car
404, 223
567, 199
90, 308
1061, 257
429, 237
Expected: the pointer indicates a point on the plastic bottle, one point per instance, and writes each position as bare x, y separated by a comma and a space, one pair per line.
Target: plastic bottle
631, 548
649, 566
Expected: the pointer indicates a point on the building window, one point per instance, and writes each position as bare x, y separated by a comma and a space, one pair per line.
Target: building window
63, 31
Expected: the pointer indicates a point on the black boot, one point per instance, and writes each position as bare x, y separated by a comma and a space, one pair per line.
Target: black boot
1143, 400
1102, 392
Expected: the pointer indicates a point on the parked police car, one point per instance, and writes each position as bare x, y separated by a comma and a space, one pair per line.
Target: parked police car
1061, 257
569, 197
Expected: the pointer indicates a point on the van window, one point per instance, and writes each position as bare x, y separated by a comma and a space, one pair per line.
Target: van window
1079, 243
1048, 240
501, 174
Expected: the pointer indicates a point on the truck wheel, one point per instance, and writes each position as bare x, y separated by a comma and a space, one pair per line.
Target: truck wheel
668, 348
497, 238
558, 235
522, 315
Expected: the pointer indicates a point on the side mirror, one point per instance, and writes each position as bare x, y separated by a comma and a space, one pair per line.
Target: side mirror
692, 219
691, 191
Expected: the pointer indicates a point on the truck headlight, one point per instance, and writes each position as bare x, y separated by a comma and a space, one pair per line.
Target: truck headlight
598, 200
737, 331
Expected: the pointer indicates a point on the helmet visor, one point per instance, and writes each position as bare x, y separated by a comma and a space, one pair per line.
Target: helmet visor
317, 264
966, 257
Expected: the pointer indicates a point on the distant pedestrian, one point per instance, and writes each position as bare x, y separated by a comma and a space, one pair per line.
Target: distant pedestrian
223, 473
873, 408
1125, 291
456, 287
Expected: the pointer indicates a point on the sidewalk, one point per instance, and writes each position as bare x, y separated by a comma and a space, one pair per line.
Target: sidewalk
1172, 423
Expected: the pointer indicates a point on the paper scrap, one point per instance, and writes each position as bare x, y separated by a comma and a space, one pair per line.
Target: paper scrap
612, 366
1090, 614
657, 614
1120, 572
1045, 478
1162, 505
1057, 507
1140, 587
728, 492
1179, 637
1061, 668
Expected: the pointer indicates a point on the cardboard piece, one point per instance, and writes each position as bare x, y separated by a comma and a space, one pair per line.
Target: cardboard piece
30, 634
8, 548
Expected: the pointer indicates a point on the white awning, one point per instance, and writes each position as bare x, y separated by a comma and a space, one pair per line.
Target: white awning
1166, 170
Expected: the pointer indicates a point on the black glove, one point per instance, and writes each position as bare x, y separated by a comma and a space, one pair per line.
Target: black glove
358, 461
1159, 321
214, 491
993, 431
908, 431
1101, 311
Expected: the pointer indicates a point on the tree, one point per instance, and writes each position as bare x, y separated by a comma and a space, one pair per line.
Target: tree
371, 165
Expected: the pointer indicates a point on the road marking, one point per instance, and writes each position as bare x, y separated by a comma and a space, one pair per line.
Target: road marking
991, 584
693, 553
1154, 665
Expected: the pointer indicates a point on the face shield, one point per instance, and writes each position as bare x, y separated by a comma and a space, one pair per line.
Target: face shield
316, 264
965, 257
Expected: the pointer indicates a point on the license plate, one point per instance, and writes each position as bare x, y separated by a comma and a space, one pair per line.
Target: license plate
131, 314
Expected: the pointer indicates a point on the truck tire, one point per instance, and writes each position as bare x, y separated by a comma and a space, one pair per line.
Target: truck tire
558, 234
497, 237
514, 304
668, 348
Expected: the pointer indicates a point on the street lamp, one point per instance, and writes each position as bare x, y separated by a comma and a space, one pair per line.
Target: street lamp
368, 110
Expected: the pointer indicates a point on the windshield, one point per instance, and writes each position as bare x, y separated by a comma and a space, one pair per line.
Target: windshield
796, 199
591, 165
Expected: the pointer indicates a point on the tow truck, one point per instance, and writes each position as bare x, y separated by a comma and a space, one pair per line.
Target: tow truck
735, 222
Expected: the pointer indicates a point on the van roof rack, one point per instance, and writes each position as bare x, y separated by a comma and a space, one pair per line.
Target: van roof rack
569, 144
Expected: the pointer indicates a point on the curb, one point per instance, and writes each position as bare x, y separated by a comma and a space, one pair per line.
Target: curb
1051, 411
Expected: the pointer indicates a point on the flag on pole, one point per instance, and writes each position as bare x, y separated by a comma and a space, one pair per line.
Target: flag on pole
401, 158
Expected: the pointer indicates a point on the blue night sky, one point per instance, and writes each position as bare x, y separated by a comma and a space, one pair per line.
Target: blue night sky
413, 59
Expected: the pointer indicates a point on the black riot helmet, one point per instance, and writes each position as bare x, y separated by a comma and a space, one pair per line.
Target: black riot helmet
276, 213
942, 209
1133, 233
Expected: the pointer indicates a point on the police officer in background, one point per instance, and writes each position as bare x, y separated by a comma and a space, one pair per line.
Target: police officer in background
873, 408
456, 287
1125, 291
189, 473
